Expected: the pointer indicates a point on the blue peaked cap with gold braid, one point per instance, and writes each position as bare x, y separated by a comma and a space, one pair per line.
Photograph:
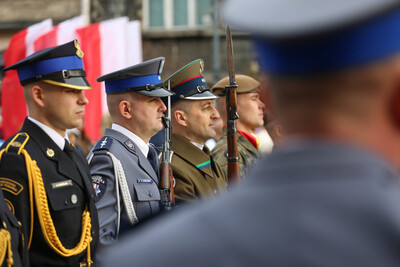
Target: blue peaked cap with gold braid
60, 65
143, 78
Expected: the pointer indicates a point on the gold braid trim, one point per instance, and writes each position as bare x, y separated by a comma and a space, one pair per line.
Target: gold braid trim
21, 146
38, 192
5, 247
46, 222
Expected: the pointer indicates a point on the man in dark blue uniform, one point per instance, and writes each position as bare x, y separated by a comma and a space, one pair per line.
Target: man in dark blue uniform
123, 165
46, 181
330, 193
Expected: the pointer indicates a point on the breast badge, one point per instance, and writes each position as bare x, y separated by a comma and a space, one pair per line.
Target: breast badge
99, 186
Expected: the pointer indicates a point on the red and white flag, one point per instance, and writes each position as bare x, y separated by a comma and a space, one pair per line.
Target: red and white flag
12, 99
107, 48
60, 34
134, 48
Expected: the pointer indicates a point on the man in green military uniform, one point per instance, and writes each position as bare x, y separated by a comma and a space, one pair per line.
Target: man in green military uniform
195, 172
251, 116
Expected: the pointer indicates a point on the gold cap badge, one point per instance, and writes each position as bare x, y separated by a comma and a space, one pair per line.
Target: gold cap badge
79, 51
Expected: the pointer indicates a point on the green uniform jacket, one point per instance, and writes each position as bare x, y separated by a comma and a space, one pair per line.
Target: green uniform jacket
196, 174
248, 154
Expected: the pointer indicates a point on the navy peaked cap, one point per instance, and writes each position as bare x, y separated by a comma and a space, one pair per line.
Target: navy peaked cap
305, 37
143, 78
60, 65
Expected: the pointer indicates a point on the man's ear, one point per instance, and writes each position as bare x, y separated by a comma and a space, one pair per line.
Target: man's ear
125, 108
38, 95
180, 117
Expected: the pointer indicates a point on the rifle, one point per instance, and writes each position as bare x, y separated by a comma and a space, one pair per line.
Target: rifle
231, 106
166, 178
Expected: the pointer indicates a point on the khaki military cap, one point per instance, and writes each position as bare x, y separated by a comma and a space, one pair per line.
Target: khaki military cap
245, 83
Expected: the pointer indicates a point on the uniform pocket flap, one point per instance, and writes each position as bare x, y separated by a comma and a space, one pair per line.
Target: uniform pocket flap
147, 191
62, 198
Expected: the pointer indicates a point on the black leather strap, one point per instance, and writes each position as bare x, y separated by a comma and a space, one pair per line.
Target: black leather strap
198, 89
64, 74
147, 87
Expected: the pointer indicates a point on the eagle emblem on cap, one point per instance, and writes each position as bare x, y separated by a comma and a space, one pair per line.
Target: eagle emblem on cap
201, 66
79, 51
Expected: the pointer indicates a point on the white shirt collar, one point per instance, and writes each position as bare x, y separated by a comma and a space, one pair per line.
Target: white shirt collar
136, 139
56, 137
198, 145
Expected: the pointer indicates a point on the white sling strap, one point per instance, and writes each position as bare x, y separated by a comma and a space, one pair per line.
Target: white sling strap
121, 184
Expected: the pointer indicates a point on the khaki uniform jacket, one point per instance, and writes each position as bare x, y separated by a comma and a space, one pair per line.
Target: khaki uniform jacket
248, 154
196, 174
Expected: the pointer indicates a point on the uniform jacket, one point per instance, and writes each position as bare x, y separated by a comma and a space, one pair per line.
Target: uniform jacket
9, 223
68, 191
312, 204
141, 178
196, 175
248, 154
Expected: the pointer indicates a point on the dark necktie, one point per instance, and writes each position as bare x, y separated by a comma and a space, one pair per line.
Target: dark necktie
69, 150
152, 158
212, 162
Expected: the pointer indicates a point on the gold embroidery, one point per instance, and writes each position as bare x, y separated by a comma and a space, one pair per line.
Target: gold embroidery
11, 186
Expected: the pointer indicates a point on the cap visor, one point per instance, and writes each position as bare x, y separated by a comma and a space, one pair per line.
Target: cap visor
201, 96
159, 92
79, 83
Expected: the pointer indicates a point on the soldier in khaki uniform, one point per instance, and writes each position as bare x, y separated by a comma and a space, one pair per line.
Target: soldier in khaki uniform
193, 119
251, 116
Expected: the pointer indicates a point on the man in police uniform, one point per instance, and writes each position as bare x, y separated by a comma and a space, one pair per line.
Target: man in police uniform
46, 182
195, 172
251, 112
123, 167
330, 194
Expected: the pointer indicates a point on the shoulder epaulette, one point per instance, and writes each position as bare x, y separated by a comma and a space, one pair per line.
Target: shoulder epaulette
104, 143
17, 143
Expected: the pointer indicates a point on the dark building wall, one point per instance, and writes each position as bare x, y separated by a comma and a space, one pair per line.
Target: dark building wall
18, 14
179, 51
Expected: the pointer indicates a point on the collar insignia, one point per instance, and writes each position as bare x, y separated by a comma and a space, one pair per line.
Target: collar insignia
50, 152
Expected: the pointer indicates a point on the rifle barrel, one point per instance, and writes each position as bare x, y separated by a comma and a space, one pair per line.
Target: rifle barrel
231, 105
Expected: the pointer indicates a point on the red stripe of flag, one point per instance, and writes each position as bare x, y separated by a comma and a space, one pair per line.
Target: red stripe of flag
12, 103
90, 43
